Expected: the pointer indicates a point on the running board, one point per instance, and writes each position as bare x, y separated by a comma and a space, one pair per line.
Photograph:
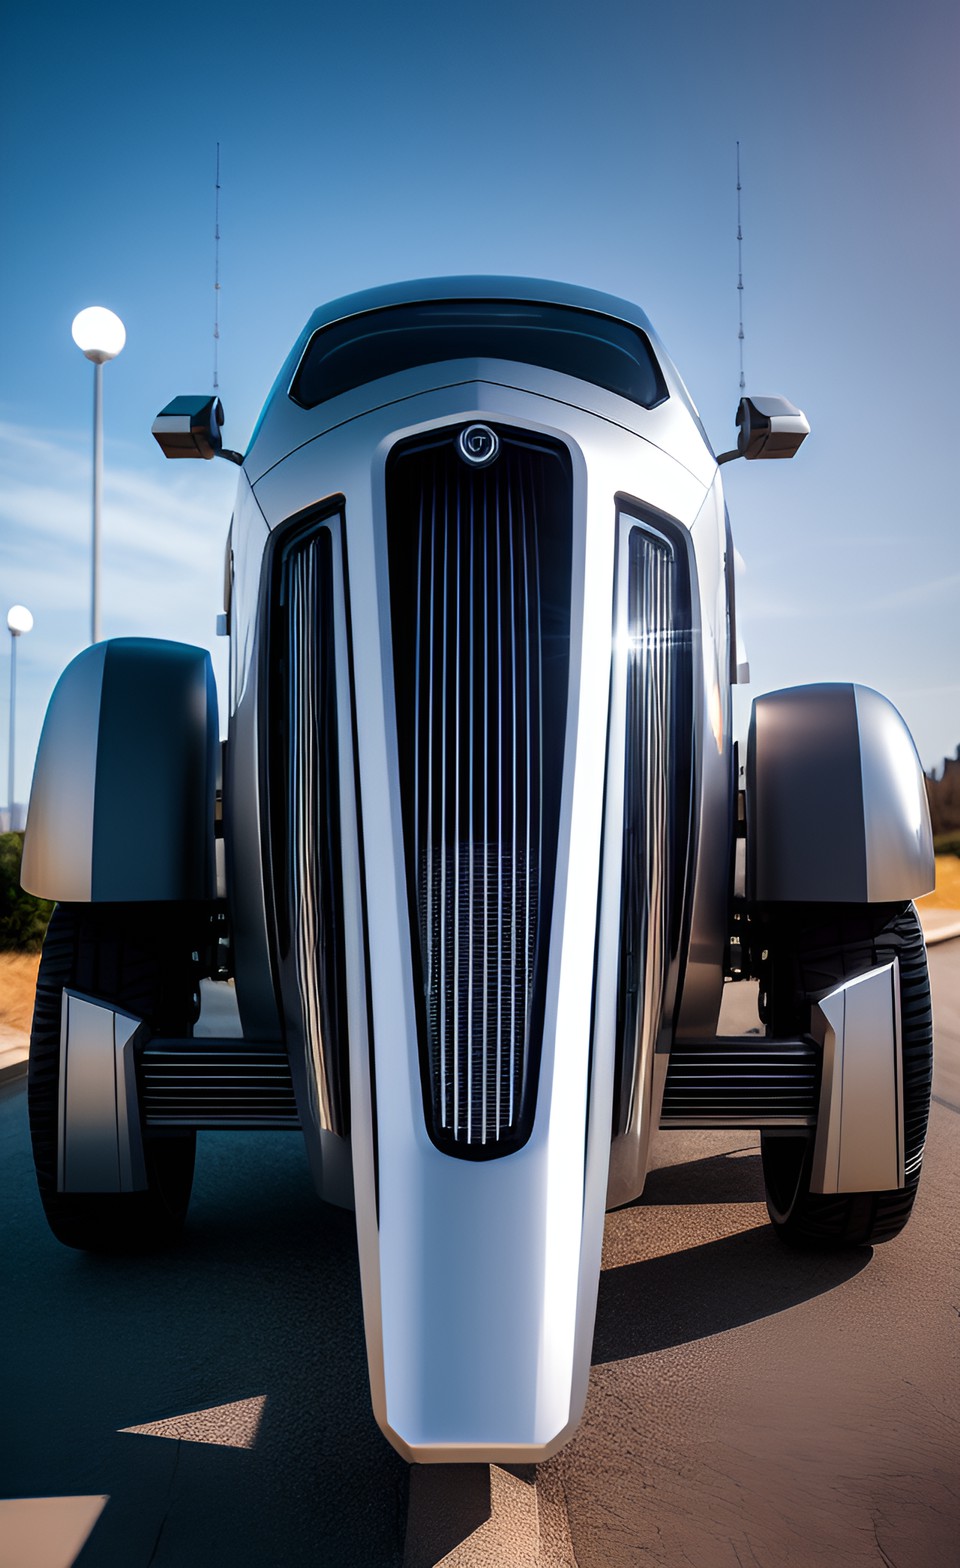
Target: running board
743, 1081
216, 1085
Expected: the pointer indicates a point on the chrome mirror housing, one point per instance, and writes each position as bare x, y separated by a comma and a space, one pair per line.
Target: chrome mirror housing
769, 427
190, 427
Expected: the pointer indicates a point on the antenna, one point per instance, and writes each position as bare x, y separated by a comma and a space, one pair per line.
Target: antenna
743, 381
216, 276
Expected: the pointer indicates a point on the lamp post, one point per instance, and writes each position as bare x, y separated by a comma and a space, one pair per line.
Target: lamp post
19, 621
100, 335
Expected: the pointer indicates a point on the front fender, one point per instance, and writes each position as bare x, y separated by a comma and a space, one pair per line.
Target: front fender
123, 797
836, 805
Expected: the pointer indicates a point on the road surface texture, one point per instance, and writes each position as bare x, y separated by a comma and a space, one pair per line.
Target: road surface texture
749, 1407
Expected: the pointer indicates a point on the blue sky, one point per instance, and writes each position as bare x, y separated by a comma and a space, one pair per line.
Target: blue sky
590, 143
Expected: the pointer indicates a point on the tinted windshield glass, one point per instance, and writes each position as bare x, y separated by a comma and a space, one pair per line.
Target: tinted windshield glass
596, 348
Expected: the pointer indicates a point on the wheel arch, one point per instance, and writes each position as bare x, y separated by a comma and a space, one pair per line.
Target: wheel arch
123, 798
836, 803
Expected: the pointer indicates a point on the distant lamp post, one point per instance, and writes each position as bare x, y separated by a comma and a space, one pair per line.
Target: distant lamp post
19, 621
100, 335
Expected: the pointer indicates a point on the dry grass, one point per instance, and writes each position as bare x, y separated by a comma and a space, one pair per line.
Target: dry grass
18, 980
946, 894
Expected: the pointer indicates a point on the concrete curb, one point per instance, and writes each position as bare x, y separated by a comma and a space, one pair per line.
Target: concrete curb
14, 1047
13, 1058
935, 931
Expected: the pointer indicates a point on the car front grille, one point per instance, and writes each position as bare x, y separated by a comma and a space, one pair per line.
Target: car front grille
479, 562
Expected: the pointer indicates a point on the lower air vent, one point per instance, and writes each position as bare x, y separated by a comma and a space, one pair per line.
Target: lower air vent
480, 603
200, 1086
739, 1083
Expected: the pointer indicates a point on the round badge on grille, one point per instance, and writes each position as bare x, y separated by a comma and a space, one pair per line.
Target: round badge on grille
478, 445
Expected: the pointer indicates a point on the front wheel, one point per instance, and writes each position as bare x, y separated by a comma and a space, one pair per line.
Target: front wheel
807, 955
139, 958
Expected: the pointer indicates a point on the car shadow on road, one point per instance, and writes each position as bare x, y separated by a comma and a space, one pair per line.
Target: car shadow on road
733, 1177
260, 1304
703, 1290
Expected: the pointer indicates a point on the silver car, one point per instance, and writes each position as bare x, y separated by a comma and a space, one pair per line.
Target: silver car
489, 853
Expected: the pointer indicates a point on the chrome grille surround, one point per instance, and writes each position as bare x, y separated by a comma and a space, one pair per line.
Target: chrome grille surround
657, 794
479, 562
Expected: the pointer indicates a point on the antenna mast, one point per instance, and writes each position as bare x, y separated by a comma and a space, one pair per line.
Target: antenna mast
216, 276
743, 381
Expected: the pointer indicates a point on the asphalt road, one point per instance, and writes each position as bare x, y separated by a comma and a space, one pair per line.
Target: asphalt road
748, 1407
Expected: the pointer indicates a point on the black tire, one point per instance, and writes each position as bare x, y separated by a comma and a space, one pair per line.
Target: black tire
806, 956
139, 957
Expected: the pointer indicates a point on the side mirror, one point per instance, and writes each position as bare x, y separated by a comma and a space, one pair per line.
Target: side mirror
769, 427
190, 427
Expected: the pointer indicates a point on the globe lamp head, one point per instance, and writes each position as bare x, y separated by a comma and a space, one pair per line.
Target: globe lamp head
19, 620
99, 333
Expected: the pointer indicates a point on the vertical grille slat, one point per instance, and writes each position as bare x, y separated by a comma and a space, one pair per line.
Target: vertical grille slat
444, 712
499, 1078
481, 710
513, 811
486, 825
456, 838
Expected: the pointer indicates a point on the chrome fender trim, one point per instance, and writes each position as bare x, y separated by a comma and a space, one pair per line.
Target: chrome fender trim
100, 1147
859, 1140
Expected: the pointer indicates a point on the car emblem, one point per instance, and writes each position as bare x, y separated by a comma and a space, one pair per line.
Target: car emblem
478, 445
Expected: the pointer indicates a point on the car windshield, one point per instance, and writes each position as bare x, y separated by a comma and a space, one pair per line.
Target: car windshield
593, 347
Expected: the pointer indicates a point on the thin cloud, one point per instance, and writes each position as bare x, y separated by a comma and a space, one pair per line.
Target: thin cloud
45, 500
937, 590
162, 558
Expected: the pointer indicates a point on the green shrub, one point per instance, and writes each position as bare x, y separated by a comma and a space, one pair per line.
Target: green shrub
947, 843
23, 918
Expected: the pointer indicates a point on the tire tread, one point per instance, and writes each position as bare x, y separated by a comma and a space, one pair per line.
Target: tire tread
806, 958
129, 956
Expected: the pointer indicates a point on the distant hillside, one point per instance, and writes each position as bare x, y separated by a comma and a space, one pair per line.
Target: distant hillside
944, 796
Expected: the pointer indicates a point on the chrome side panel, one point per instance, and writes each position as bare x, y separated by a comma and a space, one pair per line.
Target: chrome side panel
249, 897
479, 1277
656, 651
713, 814
315, 1060
692, 994
243, 815
122, 805
836, 804
859, 1143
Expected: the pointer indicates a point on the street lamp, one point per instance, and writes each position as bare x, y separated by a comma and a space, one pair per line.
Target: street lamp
100, 335
19, 621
